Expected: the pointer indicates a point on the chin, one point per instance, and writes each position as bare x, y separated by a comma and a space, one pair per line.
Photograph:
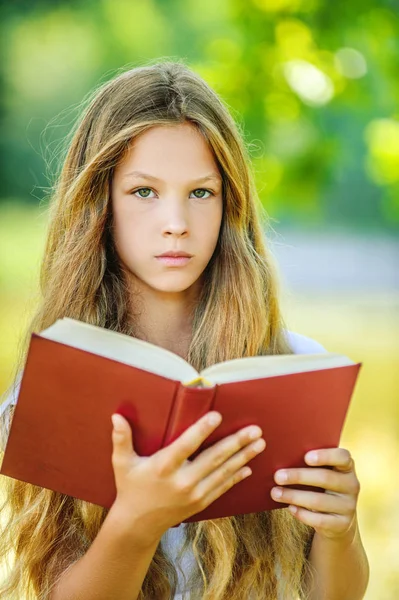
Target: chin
172, 289
170, 286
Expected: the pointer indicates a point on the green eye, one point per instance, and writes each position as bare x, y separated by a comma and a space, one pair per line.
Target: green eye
202, 190
148, 190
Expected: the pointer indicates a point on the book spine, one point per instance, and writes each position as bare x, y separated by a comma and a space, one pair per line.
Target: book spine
190, 404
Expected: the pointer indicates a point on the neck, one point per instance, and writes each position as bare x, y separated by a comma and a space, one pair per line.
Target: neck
164, 319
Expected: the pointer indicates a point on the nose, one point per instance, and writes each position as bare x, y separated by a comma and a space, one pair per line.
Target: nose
175, 218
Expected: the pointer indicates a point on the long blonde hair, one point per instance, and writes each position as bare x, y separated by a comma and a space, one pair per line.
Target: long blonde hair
47, 531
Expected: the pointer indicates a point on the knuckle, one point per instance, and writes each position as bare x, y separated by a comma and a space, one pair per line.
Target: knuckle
345, 456
225, 486
204, 428
225, 471
118, 442
346, 521
184, 486
250, 452
117, 460
186, 443
232, 480
161, 467
325, 478
196, 498
355, 487
186, 446
241, 438
239, 476
351, 505
222, 452
247, 455
313, 503
218, 457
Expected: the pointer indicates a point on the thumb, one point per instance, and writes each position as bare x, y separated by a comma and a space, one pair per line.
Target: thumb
122, 437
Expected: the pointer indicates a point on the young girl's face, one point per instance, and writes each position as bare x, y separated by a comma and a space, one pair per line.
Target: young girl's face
175, 203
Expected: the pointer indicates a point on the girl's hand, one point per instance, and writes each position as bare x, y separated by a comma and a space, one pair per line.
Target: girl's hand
158, 491
333, 512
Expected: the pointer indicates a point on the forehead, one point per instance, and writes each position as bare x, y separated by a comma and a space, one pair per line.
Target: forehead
167, 148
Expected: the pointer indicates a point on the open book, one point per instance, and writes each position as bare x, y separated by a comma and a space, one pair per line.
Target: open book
77, 375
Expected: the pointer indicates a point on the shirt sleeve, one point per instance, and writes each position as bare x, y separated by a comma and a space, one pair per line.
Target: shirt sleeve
9, 401
301, 344
12, 396
5, 411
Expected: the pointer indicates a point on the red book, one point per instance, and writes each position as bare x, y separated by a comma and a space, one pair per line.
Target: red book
77, 375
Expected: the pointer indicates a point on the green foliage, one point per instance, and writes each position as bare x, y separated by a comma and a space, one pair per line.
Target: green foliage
313, 84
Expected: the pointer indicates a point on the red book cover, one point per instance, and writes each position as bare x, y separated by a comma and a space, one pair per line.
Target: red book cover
61, 433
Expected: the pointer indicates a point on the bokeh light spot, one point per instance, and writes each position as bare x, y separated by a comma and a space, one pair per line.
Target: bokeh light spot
382, 139
350, 63
294, 39
312, 85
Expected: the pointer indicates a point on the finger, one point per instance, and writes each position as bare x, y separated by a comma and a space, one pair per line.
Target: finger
122, 440
315, 501
335, 525
228, 483
232, 452
324, 478
176, 453
211, 477
340, 458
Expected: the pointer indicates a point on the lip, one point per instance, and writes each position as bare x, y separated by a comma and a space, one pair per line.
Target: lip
174, 254
174, 261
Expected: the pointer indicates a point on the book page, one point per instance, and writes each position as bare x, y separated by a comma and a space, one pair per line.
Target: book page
120, 347
158, 360
255, 367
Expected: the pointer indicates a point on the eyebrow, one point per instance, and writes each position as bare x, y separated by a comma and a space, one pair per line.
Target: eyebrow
211, 176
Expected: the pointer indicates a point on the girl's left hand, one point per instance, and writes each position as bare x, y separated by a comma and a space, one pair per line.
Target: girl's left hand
330, 513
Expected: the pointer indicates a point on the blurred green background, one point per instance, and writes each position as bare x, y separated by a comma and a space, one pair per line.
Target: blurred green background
315, 87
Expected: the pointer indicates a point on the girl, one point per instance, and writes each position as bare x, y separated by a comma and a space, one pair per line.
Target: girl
157, 165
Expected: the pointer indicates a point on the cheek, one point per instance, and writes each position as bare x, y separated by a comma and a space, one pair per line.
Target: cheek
211, 227
210, 220
131, 239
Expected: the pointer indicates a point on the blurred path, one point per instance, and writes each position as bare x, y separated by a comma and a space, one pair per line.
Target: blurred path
338, 261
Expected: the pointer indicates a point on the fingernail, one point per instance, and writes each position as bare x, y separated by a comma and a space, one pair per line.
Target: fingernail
277, 492
281, 476
214, 419
259, 445
255, 432
311, 457
117, 422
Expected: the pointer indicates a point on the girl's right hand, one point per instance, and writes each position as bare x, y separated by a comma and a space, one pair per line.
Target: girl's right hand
156, 492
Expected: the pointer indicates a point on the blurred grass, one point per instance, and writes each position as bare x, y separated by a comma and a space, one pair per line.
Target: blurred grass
22, 234
364, 327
